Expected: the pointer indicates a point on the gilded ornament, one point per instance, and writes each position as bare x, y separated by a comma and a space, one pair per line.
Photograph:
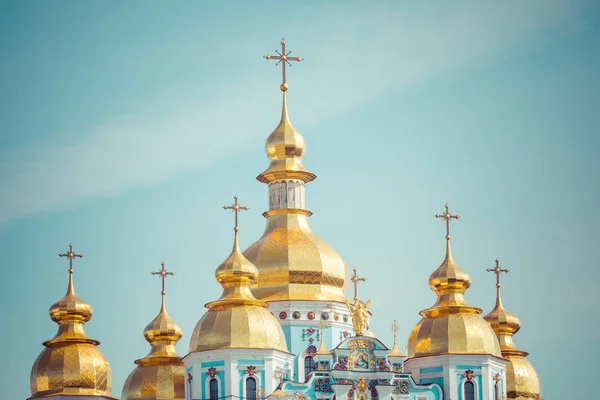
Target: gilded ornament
161, 374
522, 380
237, 319
362, 384
451, 326
71, 364
360, 316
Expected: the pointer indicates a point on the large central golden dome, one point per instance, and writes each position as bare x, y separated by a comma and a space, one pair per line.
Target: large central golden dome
451, 326
293, 263
237, 319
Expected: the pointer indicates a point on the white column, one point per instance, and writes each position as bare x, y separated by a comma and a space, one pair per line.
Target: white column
286, 194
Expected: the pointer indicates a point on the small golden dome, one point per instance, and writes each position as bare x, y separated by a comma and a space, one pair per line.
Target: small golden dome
294, 263
162, 328
161, 374
237, 319
503, 323
522, 381
285, 148
451, 326
71, 364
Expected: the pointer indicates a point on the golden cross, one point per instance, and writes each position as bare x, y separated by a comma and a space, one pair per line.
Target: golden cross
163, 274
447, 216
70, 255
497, 271
236, 208
355, 279
283, 59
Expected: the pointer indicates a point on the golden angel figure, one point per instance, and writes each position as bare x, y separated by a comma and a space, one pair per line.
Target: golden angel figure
360, 316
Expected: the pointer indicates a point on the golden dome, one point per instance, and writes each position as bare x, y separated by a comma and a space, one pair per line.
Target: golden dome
237, 319
503, 323
71, 364
295, 264
522, 381
451, 326
161, 374
285, 148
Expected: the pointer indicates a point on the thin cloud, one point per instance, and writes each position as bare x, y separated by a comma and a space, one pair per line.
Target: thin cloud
361, 53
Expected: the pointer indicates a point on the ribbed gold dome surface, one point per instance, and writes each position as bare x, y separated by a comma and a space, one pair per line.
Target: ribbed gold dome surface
71, 364
68, 369
451, 326
295, 264
522, 381
156, 382
237, 319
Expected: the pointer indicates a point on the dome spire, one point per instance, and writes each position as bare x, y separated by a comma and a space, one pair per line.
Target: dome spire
285, 146
237, 319
449, 281
522, 380
451, 326
504, 324
236, 273
55, 372
159, 375
162, 332
395, 351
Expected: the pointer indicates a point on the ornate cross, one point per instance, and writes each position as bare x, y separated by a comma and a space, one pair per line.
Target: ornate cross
497, 271
236, 208
355, 279
70, 255
163, 274
283, 59
395, 329
447, 216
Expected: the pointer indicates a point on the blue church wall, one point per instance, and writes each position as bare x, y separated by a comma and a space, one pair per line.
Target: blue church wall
432, 370
212, 364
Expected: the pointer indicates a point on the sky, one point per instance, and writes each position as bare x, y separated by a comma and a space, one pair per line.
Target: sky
126, 126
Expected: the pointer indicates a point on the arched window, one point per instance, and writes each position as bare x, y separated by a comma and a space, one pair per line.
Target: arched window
309, 366
251, 389
469, 390
214, 389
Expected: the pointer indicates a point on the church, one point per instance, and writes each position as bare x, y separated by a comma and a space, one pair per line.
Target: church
284, 327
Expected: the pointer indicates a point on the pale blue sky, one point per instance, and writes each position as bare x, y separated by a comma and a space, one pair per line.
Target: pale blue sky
124, 128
